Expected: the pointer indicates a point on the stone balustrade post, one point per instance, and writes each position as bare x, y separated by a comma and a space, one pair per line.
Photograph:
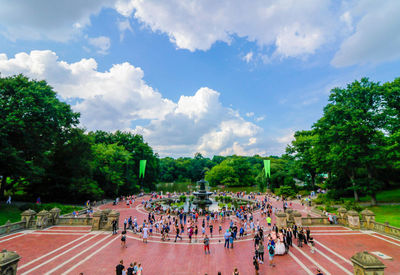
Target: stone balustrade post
342, 216
28, 216
369, 217
280, 219
55, 214
8, 262
297, 218
367, 264
42, 219
96, 220
353, 219
113, 215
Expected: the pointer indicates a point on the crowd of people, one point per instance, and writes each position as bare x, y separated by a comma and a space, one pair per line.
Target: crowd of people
239, 223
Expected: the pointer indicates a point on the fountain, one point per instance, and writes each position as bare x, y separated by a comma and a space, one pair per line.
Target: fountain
202, 201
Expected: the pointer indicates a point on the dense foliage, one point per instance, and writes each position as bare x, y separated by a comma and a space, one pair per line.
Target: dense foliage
43, 153
356, 141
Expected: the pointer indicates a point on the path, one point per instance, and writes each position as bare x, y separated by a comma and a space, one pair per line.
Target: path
70, 250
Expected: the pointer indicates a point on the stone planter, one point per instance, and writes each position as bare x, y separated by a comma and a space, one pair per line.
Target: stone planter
8, 262
367, 264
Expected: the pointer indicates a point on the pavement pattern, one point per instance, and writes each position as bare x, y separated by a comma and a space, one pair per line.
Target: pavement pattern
76, 249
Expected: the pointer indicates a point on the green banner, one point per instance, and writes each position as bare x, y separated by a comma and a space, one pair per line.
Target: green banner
267, 167
142, 168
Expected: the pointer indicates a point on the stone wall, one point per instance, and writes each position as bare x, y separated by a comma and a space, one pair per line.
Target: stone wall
11, 227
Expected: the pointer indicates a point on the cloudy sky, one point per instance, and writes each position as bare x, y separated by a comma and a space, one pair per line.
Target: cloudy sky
216, 77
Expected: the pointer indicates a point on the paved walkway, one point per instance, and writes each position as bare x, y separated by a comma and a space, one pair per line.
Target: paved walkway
71, 250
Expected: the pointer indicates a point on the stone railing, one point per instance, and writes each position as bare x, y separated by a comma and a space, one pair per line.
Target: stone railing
381, 227
75, 221
314, 220
11, 227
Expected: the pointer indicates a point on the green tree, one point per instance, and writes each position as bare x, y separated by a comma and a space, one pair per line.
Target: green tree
32, 119
302, 148
350, 128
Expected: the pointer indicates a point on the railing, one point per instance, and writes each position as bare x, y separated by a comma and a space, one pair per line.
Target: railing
314, 220
75, 221
381, 227
11, 227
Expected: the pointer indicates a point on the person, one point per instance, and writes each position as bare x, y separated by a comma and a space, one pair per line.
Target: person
235, 271
211, 230
9, 200
139, 269
227, 236
177, 234
119, 267
269, 220
280, 248
114, 227
231, 240
271, 253
319, 272
145, 236
311, 242
256, 265
124, 271
130, 270
125, 223
123, 239
206, 245
38, 201
260, 253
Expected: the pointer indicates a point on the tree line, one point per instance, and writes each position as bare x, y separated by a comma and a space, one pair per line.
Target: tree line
353, 149
44, 153
356, 142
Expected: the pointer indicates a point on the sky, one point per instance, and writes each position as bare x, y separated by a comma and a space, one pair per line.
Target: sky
216, 77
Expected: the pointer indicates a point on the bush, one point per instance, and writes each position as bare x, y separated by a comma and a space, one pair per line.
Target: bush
182, 198
321, 199
286, 191
351, 205
64, 209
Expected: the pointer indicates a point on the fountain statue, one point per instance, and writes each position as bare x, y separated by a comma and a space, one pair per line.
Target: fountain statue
201, 197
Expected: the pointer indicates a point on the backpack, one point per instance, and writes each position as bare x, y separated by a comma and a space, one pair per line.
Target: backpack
271, 250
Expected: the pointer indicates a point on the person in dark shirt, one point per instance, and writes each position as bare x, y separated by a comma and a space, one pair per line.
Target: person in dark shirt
130, 270
120, 267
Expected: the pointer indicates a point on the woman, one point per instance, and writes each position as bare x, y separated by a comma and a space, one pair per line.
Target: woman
256, 265
261, 252
280, 248
123, 239
145, 236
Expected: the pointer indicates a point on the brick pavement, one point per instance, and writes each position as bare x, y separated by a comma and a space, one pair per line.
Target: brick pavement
71, 250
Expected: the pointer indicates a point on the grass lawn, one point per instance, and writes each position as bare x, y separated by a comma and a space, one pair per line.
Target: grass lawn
387, 213
13, 212
384, 196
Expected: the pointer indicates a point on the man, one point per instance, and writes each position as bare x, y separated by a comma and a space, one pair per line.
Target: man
206, 245
114, 226
271, 253
294, 231
177, 233
269, 220
125, 223
120, 267
289, 236
227, 235
9, 200
275, 228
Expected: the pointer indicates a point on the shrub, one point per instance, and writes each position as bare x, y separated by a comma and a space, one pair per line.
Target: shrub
286, 191
351, 205
182, 198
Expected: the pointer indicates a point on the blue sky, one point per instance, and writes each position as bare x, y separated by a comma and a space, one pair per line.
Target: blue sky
216, 77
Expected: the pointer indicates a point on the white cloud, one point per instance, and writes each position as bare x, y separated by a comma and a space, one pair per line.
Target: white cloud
260, 118
286, 138
102, 43
250, 114
123, 26
376, 38
117, 98
294, 27
248, 57
47, 19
